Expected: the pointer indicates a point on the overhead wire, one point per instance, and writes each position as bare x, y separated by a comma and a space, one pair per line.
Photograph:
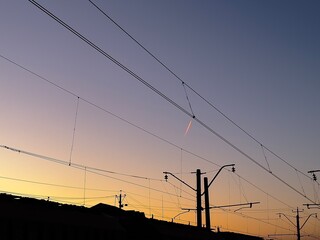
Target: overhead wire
136, 126
153, 198
108, 112
197, 93
54, 185
88, 168
50, 198
144, 82
75, 95
254, 218
75, 164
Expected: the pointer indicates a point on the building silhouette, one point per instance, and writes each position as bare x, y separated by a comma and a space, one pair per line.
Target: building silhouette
24, 218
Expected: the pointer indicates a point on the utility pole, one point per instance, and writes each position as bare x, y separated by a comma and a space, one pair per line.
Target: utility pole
199, 208
207, 205
197, 190
206, 194
297, 225
121, 198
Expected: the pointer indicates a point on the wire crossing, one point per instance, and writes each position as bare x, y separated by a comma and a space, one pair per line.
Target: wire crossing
154, 135
144, 82
195, 92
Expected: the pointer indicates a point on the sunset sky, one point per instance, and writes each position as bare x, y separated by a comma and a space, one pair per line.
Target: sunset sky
257, 64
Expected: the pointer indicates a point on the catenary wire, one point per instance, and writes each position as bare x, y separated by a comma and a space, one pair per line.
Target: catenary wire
53, 184
76, 165
88, 169
197, 93
107, 111
132, 124
144, 82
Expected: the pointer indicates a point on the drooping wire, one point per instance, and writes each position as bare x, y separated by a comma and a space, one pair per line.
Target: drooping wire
105, 54
54, 185
136, 41
145, 49
160, 93
19, 194
74, 129
122, 119
194, 91
91, 170
75, 164
263, 191
107, 111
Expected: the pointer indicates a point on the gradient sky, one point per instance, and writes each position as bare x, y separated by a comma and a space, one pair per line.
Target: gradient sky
256, 61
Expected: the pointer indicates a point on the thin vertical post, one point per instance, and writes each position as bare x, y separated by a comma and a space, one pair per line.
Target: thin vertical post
206, 199
199, 208
298, 224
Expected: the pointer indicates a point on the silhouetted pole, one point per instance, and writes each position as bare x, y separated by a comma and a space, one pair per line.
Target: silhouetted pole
298, 225
121, 205
197, 190
199, 208
207, 207
120, 201
206, 193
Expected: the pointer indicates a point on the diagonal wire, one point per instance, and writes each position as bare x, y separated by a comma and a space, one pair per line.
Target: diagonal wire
108, 112
74, 130
188, 100
144, 82
265, 157
194, 91
96, 171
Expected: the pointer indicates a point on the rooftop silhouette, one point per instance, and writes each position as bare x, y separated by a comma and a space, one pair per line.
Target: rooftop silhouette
28, 218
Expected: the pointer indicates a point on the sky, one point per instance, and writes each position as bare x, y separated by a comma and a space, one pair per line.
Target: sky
87, 129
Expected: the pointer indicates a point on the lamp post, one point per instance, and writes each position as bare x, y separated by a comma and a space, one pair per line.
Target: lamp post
198, 191
297, 225
206, 194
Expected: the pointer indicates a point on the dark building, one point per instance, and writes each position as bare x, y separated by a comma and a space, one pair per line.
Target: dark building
31, 219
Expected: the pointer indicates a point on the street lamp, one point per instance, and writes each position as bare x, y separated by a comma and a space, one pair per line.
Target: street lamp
297, 225
206, 193
198, 191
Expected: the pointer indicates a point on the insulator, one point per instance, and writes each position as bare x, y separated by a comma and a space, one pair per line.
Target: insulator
166, 177
314, 177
